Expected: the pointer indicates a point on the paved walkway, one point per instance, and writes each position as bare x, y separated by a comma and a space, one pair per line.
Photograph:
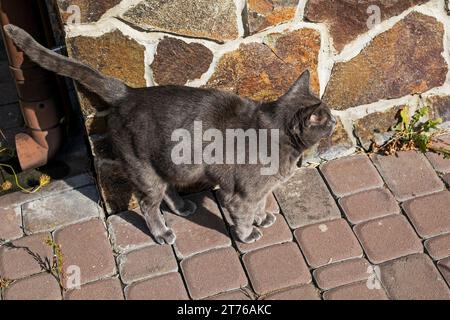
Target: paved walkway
344, 227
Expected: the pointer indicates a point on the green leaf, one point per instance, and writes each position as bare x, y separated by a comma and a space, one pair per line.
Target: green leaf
404, 114
421, 141
418, 114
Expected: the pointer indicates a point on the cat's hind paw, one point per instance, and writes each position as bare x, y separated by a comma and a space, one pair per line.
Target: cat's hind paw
168, 236
189, 208
267, 221
255, 235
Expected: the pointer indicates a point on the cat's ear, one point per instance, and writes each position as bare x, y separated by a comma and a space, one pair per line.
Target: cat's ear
299, 88
316, 119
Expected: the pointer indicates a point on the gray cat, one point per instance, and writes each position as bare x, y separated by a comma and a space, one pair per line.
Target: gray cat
142, 121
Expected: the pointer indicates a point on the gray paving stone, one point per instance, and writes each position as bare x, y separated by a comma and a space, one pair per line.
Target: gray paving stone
54, 188
305, 199
50, 213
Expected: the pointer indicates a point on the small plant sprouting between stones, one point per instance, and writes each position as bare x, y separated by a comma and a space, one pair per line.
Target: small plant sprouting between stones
7, 185
57, 265
4, 283
413, 134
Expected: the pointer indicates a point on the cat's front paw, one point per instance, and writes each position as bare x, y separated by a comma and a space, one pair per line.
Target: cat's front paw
168, 236
254, 235
268, 221
188, 209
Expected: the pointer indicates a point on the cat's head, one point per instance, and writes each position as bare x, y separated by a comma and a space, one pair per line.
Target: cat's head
306, 119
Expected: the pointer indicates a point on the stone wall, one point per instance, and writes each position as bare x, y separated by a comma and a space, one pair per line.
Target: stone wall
368, 58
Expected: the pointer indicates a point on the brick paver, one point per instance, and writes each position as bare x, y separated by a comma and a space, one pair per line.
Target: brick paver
430, 215
49, 213
202, 231
86, 245
108, 289
438, 161
166, 287
350, 175
408, 175
342, 273
388, 238
25, 256
300, 205
10, 223
278, 233
147, 262
213, 272
42, 286
369, 205
232, 295
438, 247
355, 291
444, 267
328, 242
273, 268
306, 292
128, 231
57, 187
276, 267
413, 277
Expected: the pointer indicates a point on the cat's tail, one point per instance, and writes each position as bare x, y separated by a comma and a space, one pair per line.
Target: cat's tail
109, 89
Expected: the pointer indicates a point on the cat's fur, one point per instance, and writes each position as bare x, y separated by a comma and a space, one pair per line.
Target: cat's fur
142, 121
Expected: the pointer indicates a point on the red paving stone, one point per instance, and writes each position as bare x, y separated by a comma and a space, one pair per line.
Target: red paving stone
232, 295
278, 233
342, 273
147, 262
42, 286
355, 291
388, 238
328, 242
25, 256
202, 231
307, 292
128, 231
213, 272
276, 267
369, 205
350, 175
438, 247
430, 214
109, 289
10, 224
408, 174
86, 245
166, 287
302, 207
444, 267
413, 278
439, 163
